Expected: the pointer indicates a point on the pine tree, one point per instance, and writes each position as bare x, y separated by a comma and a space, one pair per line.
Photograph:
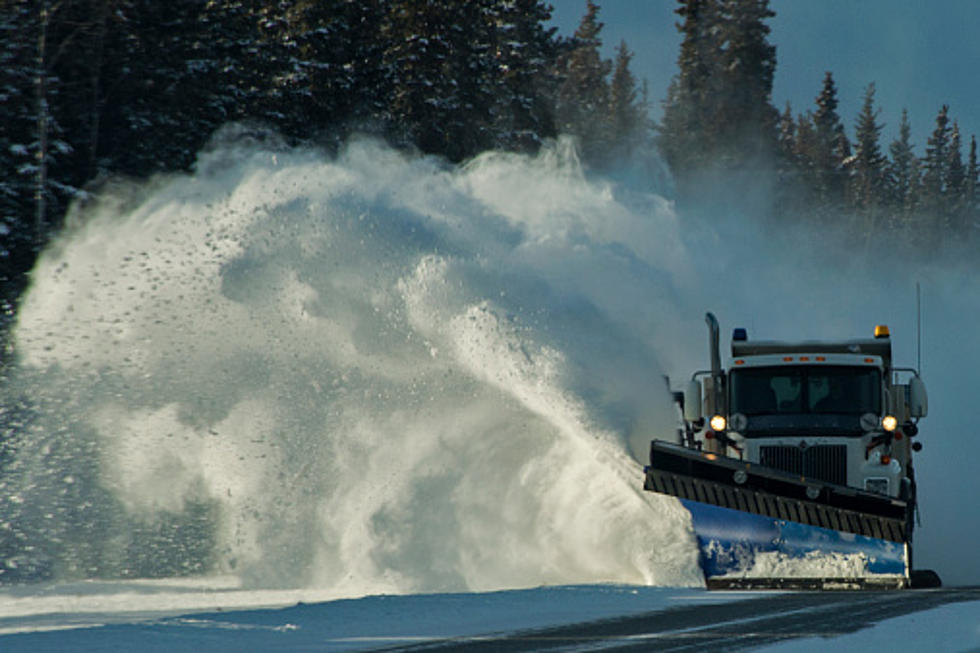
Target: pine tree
442, 84
18, 122
18, 139
56, 32
175, 83
628, 121
525, 51
954, 182
332, 79
747, 120
79, 31
805, 146
473, 38
45, 84
684, 140
935, 176
903, 176
718, 113
971, 201
787, 137
789, 193
246, 60
867, 180
831, 149
583, 98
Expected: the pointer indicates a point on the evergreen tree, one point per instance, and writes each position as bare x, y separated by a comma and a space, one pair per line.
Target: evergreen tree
903, 175
525, 52
18, 156
789, 190
805, 145
583, 97
80, 30
685, 139
956, 173
831, 149
971, 201
868, 172
473, 39
787, 136
628, 119
746, 119
46, 96
935, 176
18, 121
52, 30
246, 59
442, 77
718, 112
174, 85
333, 79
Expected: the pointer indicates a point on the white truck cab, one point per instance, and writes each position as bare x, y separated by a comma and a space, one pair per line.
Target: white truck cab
835, 412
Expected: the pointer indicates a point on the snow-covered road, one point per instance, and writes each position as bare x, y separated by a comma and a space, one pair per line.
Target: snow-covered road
212, 616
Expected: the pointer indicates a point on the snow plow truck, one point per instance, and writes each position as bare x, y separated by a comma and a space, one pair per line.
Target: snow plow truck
795, 463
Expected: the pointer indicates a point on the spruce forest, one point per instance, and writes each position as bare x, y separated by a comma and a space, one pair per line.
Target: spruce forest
97, 89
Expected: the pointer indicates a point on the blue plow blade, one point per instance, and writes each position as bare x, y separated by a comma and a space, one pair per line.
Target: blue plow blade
735, 546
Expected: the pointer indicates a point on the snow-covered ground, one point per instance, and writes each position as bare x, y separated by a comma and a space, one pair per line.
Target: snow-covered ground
212, 615
953, 627
217, 616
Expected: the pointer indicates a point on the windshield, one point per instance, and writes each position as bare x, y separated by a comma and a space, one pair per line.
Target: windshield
824, 389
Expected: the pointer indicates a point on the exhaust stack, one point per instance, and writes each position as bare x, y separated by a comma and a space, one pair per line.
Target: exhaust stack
717, 374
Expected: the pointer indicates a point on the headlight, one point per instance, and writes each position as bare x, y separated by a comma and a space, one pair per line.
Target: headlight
870, 422
738, 422
889, 423
718, 423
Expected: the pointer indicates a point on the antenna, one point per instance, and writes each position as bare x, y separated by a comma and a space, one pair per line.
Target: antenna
918, 329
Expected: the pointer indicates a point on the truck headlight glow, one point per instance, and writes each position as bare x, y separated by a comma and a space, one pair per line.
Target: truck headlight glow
889, 423
718, 423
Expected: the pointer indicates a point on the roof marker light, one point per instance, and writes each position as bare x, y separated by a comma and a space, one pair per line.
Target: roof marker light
881, 331
821, 358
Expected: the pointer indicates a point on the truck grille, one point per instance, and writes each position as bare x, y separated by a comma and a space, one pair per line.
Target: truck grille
825, 462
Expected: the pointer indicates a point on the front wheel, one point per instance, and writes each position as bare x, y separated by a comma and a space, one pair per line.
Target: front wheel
921, 579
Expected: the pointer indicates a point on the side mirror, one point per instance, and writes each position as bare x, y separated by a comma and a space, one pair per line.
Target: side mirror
692, 401
918, 399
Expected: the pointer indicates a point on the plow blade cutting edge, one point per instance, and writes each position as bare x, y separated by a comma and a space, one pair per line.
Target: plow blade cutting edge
759, 527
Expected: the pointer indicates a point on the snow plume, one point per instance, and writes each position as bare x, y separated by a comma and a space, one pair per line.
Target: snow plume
375, 373
365, 373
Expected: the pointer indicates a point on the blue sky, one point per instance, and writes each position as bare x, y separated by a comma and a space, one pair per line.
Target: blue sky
919, 55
